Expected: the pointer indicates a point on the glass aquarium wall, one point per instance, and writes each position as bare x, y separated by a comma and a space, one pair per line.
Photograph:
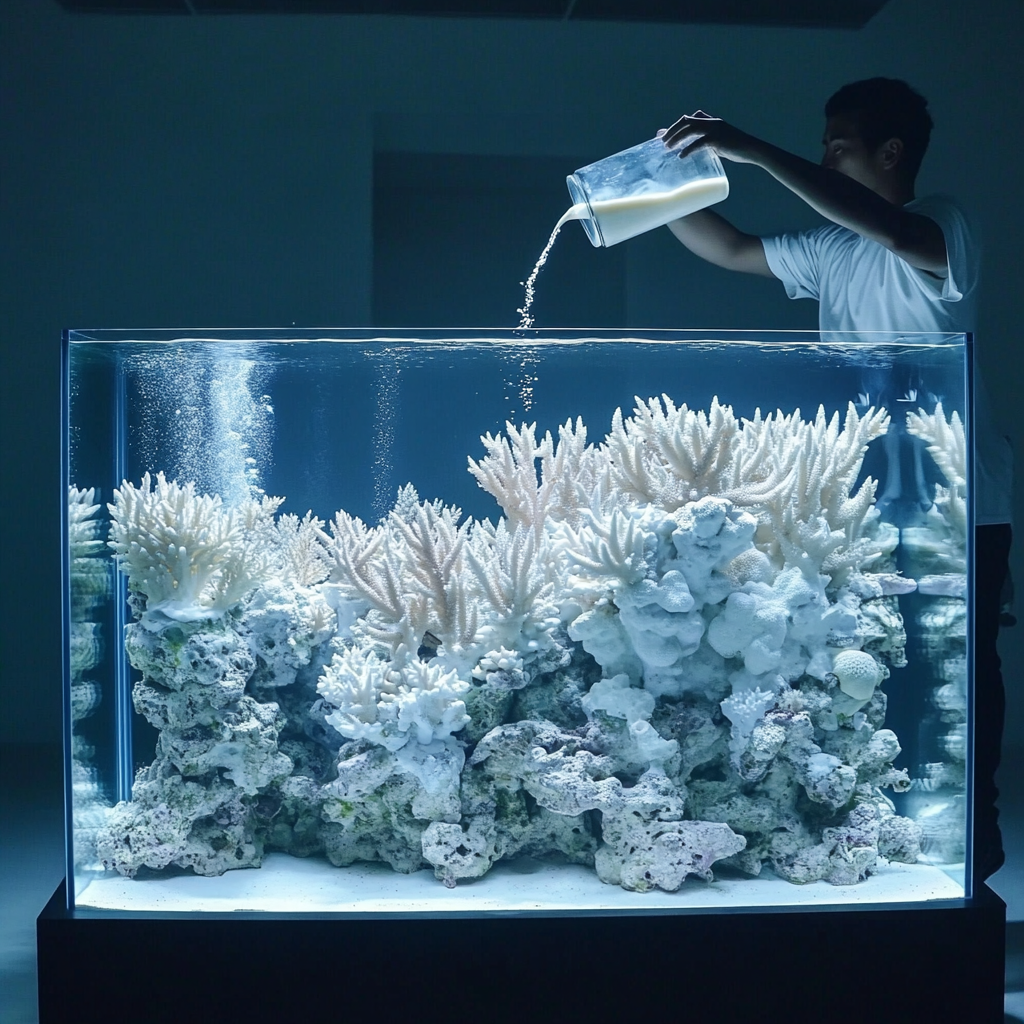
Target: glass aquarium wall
473, 621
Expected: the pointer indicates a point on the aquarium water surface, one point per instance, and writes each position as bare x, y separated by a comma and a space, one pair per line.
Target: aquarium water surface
474, 621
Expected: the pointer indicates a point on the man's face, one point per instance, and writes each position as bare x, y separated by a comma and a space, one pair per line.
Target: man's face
846, 152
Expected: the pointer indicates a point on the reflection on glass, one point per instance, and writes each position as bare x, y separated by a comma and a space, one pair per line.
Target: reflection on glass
937, 550
89, 588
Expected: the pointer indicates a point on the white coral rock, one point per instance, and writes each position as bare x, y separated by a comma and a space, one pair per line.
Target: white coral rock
752, 626
745, 709
603, 635
618, 699
709, 535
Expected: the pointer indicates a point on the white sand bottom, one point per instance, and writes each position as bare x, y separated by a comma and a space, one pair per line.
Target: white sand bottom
286, 884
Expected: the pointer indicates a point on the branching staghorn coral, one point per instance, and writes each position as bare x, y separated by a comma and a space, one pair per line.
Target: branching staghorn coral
472, 587
946, 441
184, 552
570, 474
607, 548
408, 572
89, 583
434, 544
514, 577
581, 475
795, 476
256, 516
764, 458
670, 456
84, 529
816, 522
369, 570
305, 559
508, 472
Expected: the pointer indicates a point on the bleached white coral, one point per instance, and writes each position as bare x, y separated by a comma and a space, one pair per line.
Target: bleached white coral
608, 548
184, 552
946, 441
669, 456
508, 472
513, 578
796, 477
407, 570
858, 673
570, 474
753, 626
429, 701
618, 699
470, 586
354, 683
501, 660
390, 707
304, 557
819, 524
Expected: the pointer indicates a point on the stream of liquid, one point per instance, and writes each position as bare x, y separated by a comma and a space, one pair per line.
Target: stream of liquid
618, 219
577, 212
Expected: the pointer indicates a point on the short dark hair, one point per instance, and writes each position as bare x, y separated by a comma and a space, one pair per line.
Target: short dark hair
883, 109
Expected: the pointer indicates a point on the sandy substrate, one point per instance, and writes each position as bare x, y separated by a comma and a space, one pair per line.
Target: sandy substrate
291, 885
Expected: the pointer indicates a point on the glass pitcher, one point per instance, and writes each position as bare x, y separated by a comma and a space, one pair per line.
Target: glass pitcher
643, 188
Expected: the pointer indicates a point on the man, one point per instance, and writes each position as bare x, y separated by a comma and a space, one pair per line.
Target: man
885, 262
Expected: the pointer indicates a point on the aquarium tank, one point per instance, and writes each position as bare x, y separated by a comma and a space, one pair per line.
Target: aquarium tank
477, 621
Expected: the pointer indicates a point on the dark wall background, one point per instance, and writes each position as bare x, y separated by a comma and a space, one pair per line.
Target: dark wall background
163, 172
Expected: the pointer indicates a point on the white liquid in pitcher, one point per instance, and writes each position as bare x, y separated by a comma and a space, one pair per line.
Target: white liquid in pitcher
626, 216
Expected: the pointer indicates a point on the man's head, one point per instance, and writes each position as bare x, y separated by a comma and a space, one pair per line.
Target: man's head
877, 131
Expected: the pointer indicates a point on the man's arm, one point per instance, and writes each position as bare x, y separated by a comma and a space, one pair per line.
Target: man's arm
714, 239
916, 239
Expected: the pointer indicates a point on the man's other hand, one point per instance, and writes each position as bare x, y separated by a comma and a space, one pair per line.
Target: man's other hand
699, 130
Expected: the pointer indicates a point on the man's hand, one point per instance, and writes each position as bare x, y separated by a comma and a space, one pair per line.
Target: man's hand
841, 198
706, 233
700, 130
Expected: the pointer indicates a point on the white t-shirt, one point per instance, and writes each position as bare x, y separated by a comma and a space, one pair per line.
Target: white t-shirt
862, 286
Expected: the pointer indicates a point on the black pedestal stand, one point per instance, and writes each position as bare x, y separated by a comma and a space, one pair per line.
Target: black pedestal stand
895, 964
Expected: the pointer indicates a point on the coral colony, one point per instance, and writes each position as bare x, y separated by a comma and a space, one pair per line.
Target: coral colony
669, 652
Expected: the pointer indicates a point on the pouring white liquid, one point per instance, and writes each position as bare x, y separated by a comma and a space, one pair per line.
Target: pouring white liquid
577, 212
626, 216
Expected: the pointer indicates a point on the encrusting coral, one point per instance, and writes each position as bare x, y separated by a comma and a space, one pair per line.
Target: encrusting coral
657, 660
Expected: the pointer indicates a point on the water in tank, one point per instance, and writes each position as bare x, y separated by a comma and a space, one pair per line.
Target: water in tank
515, 621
